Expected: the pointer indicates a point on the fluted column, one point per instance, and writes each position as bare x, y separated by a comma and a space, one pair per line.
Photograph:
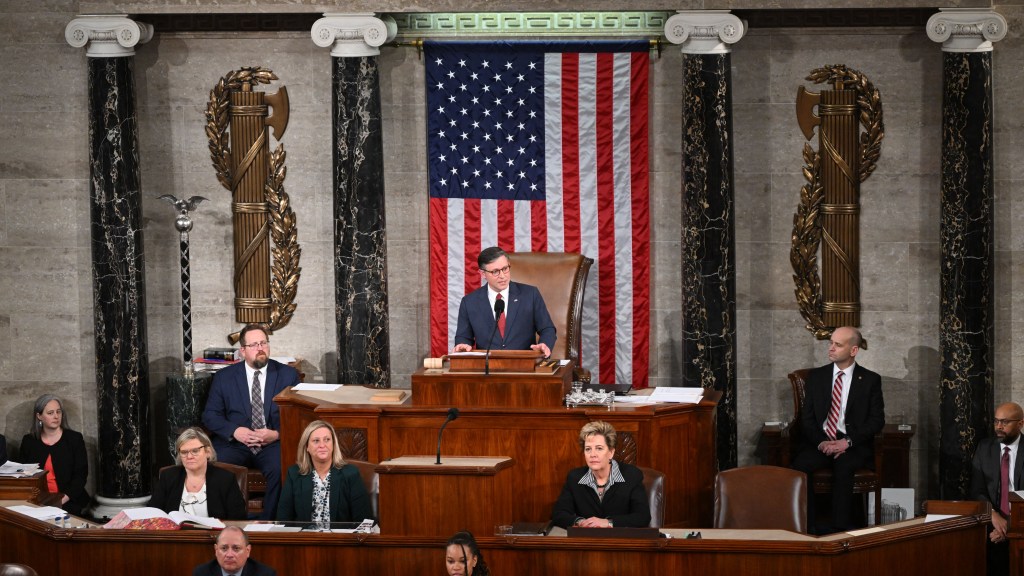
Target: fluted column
966, 263
360, 250
708, 259
118, 264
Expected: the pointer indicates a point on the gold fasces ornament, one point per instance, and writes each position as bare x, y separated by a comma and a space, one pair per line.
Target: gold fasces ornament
238, 119
829, 206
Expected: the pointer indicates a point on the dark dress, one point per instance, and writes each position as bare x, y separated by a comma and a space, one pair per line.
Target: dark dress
625, 503
70, 466
223, 496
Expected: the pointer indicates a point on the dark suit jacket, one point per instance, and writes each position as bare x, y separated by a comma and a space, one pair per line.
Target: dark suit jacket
251, 568
229, 405
223, 496
865, 408
3, 449
526, 320
624, 503
985, 471
70, 466
349, 501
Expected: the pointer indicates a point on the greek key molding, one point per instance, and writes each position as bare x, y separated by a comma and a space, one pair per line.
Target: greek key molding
353, 35
462, 24
966, 29
108, 35
704, 31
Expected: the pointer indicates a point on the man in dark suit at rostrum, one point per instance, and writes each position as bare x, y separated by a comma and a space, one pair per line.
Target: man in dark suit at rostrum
996, 472
843, 410
525, 323
232, 549
241, 414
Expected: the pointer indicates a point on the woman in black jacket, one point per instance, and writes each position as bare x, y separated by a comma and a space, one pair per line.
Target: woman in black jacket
195, 485
61, 451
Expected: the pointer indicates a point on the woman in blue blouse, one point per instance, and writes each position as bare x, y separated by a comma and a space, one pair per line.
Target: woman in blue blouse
320, 487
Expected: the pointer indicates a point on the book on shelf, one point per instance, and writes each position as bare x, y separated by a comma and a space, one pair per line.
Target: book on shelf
157, 519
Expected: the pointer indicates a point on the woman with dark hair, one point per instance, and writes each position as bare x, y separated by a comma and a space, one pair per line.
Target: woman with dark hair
195, 485
604, 493
320, 487
462, 556
60, 451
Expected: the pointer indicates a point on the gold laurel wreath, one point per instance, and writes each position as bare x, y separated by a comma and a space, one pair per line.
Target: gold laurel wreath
806, 228
285, 270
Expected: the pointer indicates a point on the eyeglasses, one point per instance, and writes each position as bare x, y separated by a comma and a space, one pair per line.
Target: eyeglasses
499, 271
1004, 423
193, 452
256, 345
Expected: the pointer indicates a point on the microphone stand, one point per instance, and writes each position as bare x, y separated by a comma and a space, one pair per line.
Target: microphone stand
453, 413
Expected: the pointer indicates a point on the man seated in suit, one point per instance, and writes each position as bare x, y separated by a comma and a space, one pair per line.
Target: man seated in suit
993, 482
232, 550
241, 414
523, 325
843, 410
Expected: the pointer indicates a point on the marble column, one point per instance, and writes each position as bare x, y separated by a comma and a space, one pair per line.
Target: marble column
708, 258
967, 263
360, 248
119, 293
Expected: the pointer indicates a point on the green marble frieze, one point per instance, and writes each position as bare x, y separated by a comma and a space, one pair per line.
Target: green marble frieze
434, 25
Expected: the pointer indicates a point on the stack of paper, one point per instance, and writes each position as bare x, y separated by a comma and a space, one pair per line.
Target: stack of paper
677, 394
39, 513
16, 470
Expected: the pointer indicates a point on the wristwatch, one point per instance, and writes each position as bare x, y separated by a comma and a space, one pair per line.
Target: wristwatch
611, 524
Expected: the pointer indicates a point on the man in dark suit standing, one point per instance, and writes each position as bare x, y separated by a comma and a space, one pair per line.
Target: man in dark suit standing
232, 550
995, 473
843, 410
241, 414
525, 323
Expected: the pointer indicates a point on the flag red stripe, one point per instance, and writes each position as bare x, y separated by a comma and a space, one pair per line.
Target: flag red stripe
570, 151
539, 225
605, 216
438, 276
641, 218
471, 247
506, 225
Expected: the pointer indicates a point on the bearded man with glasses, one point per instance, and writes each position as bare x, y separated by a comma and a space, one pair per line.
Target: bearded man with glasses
241, 414
521, 320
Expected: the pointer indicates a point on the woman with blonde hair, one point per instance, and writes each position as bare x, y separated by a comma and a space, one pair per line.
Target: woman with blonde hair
195, 485
320, 487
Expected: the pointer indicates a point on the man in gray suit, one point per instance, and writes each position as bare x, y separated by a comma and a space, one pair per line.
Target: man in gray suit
990, 484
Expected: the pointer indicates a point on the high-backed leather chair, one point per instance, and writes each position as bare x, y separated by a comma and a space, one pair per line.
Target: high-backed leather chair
17, 570
761, 497
368, 472
241, 476
654, 484
865, 480
561, 278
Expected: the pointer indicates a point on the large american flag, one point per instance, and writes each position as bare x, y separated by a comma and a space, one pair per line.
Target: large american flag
542, 146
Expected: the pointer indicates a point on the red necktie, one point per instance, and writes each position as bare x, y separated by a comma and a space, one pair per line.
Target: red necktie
837, 403
501, 320
1004, 483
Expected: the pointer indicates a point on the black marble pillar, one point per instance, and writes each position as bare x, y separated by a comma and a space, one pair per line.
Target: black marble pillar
708, 255
119, 295
360, 250
967, 268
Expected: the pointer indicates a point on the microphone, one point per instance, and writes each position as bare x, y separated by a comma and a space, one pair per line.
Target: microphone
499, 309
453, 413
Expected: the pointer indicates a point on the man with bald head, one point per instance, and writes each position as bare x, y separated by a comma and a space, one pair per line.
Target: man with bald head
843, 410
995, 473
232, 551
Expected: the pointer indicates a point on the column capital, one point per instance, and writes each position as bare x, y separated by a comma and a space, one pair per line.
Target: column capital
966, 29
704, 31
351, 35
108, 35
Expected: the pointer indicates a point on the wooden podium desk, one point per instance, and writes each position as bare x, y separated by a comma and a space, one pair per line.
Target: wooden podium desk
951, 547
677, 439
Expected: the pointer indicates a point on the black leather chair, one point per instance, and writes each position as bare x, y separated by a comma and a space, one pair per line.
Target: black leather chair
368, 472
761, 497
654, 483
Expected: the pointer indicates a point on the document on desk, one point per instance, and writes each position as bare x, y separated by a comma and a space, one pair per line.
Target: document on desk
936, 517
679, 395
308, 387
16, 470
39, 513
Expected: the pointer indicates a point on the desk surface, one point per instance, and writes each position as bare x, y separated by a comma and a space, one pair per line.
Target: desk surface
953, 546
